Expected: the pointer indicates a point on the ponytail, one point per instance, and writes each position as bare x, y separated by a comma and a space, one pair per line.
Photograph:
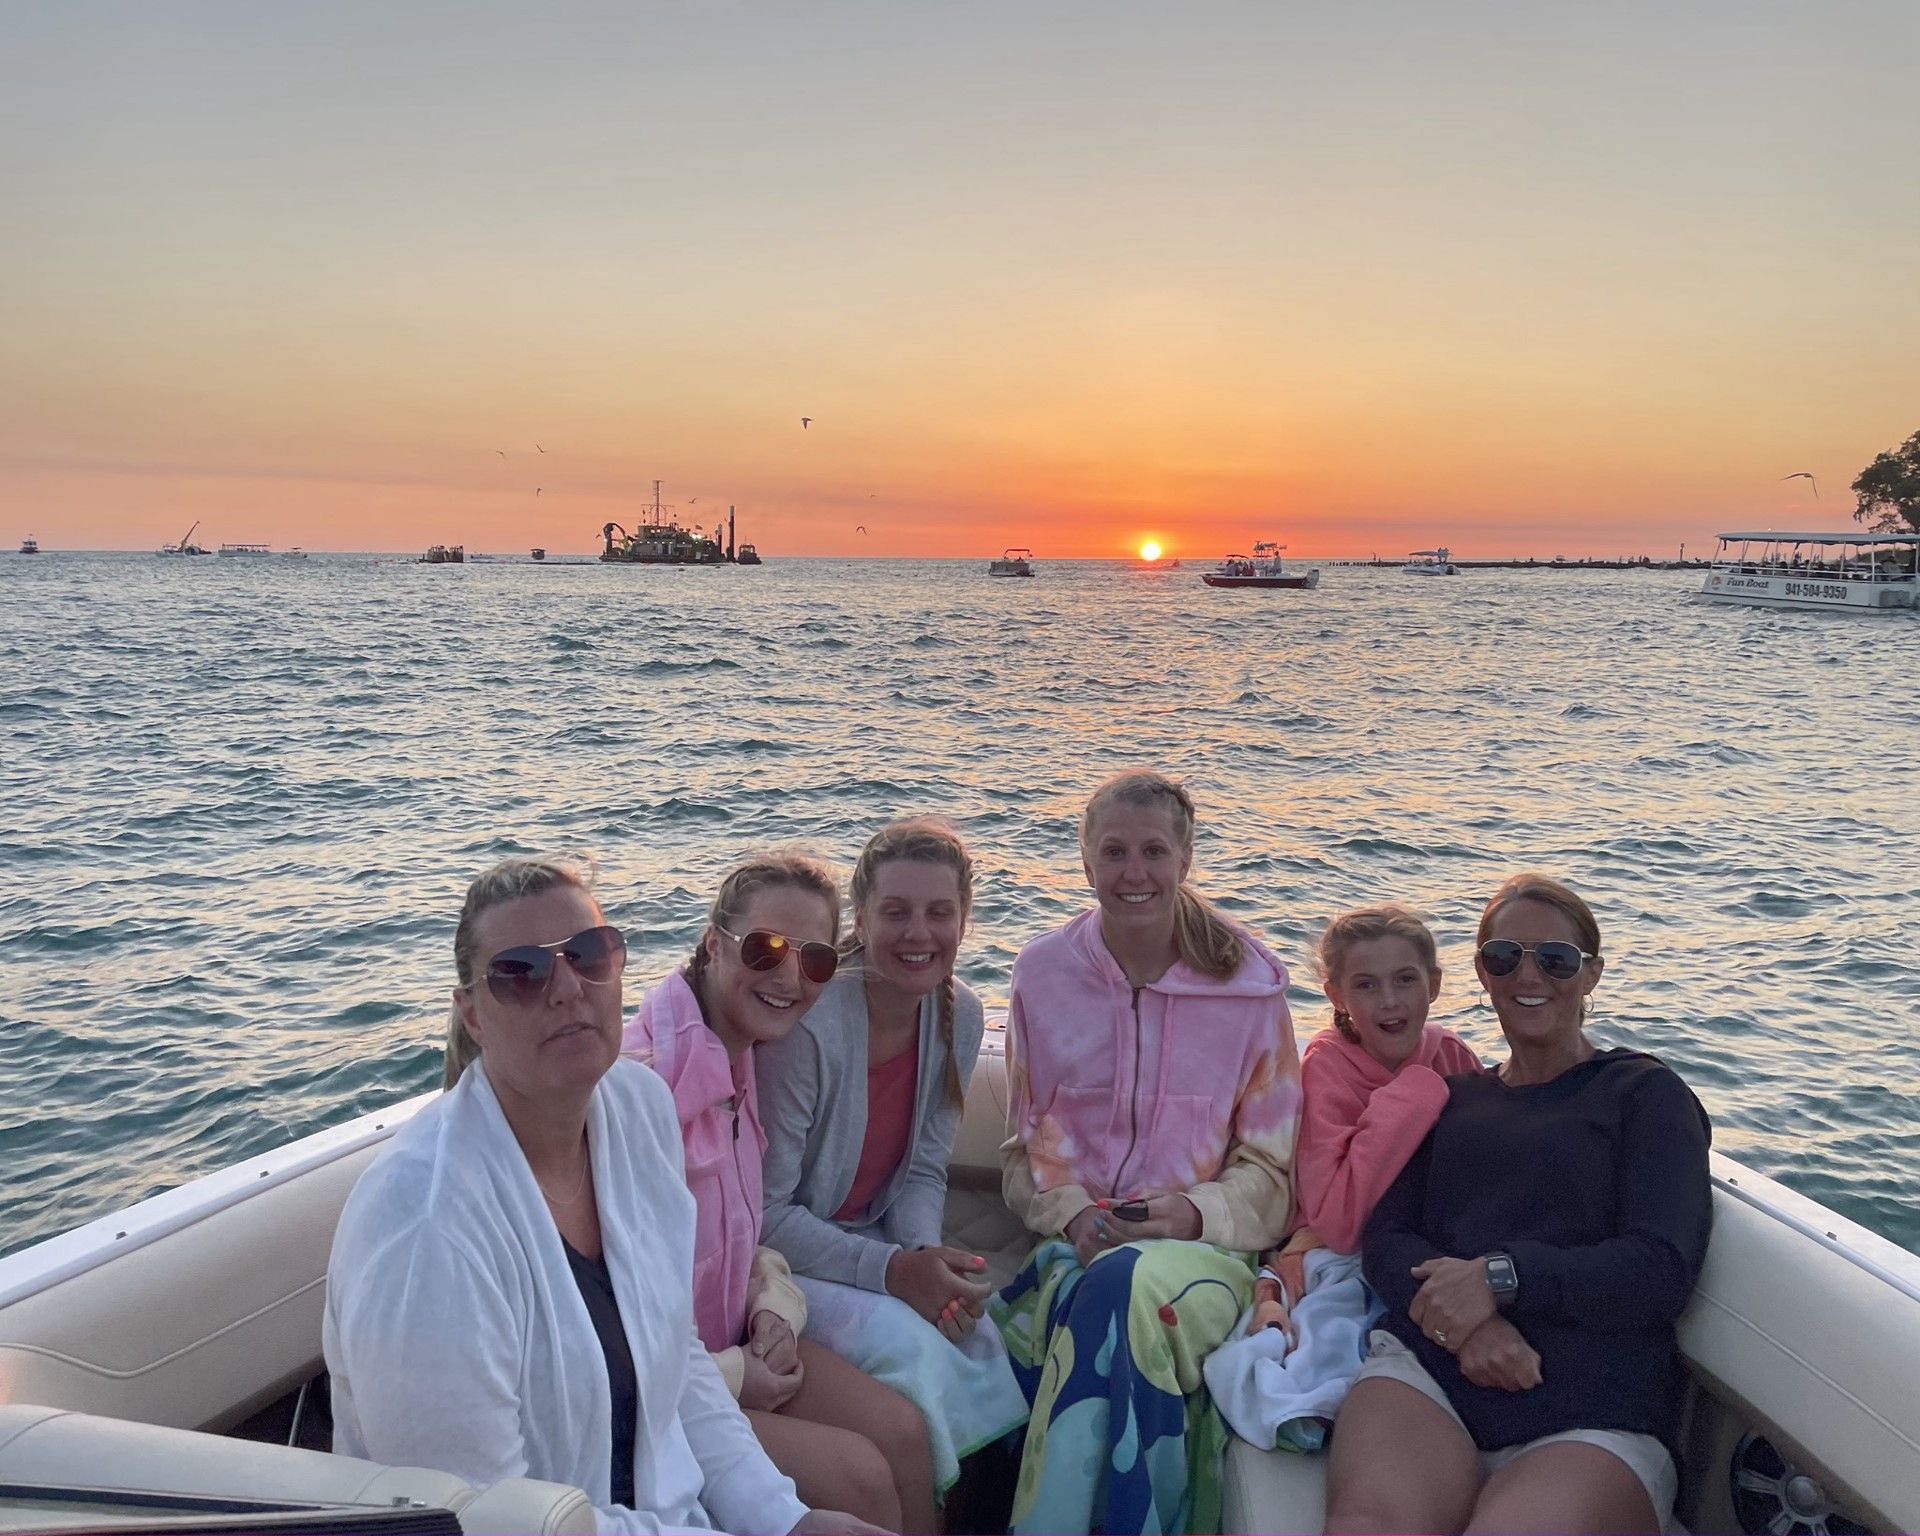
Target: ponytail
956, 1095
1207, 942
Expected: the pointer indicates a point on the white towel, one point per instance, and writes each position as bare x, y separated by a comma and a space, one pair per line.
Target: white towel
1276, 1393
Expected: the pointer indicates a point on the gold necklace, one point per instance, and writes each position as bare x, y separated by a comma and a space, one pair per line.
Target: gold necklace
579, 1184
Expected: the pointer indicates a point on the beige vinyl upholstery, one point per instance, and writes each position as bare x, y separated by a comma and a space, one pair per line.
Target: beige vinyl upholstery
196, 1329
49, 1447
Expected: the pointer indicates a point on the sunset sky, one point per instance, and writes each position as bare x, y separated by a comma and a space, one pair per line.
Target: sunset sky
1520, 278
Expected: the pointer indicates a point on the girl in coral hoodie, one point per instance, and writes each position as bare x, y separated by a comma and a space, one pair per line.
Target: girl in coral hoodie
1154, 1100
767, 951
1373, 1085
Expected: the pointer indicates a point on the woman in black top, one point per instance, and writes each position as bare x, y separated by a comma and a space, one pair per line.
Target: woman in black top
1533, 1256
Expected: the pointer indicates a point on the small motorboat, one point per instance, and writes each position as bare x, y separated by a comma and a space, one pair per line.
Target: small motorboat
29, 545
1263, 568
296, 553
1430, 562
748, 556
1014, 562
538, 553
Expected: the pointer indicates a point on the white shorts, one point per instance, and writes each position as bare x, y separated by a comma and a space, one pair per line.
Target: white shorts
1645, 1456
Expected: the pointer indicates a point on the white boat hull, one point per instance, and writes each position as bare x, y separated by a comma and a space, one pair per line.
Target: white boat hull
193, 1309
1804, 590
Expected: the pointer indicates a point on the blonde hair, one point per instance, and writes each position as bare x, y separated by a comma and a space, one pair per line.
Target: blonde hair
1386, 921
509, 880
1532, 886
776, 869
1206, 941
928, 840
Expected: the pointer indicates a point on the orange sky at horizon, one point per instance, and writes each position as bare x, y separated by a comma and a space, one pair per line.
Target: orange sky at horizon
1580, 284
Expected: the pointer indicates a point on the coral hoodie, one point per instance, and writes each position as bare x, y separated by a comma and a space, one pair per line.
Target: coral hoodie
719, 1110
1361, 1124
1188, 1083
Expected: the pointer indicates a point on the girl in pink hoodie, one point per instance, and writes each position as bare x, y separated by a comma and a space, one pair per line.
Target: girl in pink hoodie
767, 952
1374, 1084
1154, 1100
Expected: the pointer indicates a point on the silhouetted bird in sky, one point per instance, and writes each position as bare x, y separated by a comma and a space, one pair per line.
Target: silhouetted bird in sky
538, 446
859, 527
501, 451
1806, 475
803, 422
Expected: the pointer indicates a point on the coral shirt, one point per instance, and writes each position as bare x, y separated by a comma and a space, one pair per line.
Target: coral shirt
891, 1088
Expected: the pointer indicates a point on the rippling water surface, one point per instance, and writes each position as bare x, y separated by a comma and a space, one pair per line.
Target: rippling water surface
242, 800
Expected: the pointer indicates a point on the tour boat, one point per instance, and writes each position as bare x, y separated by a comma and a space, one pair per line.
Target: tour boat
29, 545
1850, 572
245, 551
1430, 562
186, 546
444, 554
170, 1353
1263, 568
1014, 562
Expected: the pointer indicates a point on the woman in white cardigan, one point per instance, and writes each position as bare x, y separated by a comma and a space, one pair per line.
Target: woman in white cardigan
510, 1290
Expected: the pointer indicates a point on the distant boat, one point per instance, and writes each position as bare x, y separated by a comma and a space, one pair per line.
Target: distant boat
1014, 562
186, 546
539, 553
296, 553
1857, 572
1430, 562
29, 545
245, 551
748, 556
1263, 568
444, 554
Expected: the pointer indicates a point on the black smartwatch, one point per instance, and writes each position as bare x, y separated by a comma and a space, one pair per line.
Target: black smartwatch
1502, 1279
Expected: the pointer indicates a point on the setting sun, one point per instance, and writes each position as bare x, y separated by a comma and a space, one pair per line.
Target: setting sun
1149, 551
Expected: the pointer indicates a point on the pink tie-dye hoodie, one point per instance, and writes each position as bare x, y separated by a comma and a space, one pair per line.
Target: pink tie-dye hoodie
1188, 1083
720, 1123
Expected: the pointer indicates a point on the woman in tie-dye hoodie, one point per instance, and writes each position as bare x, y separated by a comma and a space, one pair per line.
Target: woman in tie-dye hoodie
1155, 1097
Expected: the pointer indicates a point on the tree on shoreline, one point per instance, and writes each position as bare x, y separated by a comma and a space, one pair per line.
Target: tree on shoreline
1889, 490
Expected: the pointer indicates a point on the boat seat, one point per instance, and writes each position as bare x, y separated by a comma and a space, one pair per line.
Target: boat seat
49, 1447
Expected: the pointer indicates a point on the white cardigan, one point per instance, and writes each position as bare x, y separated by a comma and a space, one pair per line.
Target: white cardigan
457, 1338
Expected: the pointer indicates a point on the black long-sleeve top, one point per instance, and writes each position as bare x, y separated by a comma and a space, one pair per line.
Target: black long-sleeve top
1597, 1184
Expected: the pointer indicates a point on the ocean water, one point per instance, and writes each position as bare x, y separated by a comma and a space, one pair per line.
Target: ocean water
242, 800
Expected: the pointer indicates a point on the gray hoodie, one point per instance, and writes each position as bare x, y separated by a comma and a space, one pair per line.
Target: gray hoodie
813, 1107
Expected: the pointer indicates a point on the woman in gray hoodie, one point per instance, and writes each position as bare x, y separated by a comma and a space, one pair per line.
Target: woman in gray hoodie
861, 1104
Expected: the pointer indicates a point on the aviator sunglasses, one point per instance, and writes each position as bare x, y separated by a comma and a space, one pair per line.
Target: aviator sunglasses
1557, 960
763, 950
520, 975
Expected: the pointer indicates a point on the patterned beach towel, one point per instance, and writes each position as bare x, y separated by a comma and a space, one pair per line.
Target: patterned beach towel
1124, 1437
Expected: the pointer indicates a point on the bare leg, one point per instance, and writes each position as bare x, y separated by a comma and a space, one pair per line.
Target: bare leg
1566, 1487
1398, 1463
831, 1468
834, 1392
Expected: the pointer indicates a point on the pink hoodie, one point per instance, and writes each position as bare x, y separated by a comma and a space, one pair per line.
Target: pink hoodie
1188, 1084
720, 1123
1362, 1123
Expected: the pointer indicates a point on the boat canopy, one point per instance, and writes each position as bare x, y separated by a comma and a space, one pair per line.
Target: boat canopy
1828, 537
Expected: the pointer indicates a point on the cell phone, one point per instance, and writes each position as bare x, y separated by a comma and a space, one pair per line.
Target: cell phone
1129, 1210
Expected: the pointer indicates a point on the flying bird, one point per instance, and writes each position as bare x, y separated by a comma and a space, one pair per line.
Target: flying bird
1806, 475
860, 528
694, 502
803, 422
538, 446
501, 451
536, 490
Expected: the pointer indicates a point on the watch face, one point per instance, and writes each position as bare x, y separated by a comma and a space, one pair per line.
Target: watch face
1500, 1275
